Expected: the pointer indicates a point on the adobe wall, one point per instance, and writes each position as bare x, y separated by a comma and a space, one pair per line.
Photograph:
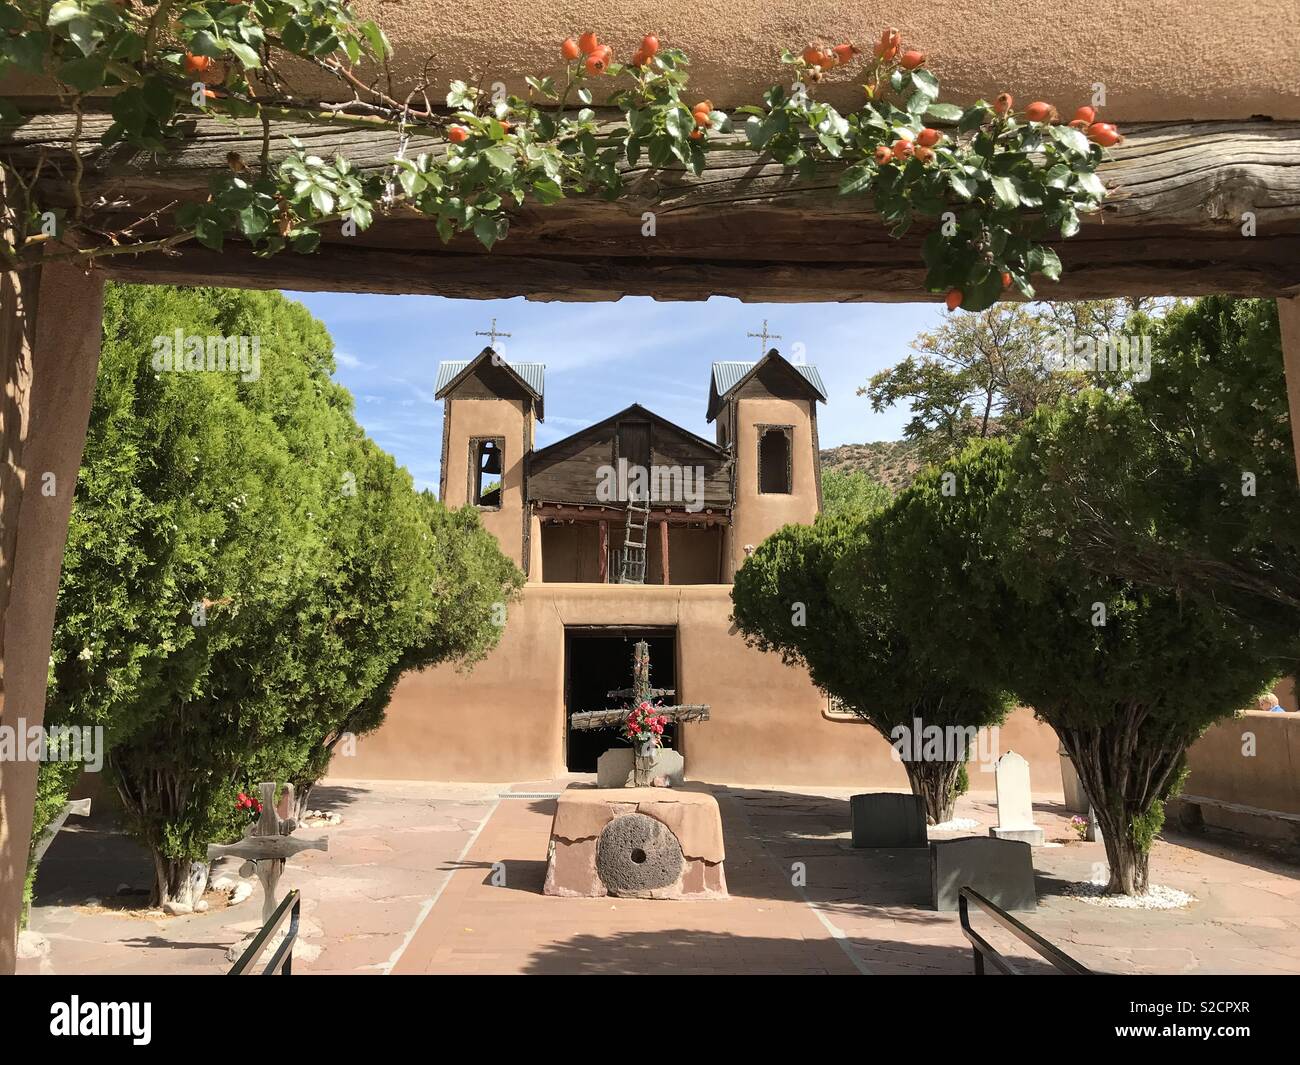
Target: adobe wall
469, 418
759, 514
1253, 760
1160, 59
504, 720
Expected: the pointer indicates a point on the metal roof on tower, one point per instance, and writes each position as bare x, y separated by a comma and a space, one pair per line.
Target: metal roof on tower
532, 372
531, 375
726, 375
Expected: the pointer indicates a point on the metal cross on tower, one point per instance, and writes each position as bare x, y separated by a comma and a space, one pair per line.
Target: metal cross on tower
765, 337
493, 333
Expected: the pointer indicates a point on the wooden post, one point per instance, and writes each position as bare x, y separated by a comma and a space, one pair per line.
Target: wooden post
604, 552
663, 547
1288, 314
47, 366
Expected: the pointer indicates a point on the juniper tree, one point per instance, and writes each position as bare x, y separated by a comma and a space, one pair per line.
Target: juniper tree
1128, 675
815, 595
245, 571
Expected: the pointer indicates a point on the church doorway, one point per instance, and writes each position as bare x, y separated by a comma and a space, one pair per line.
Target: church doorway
598, 660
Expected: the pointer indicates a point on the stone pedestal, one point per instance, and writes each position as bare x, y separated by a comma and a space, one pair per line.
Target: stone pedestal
615, 769
1032, 836
887, 819
649, 843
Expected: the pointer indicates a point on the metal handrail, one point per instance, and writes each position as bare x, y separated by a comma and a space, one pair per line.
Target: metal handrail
982, 948
282, 956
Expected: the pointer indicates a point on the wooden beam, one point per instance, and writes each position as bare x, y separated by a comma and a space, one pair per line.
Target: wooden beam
50, 327
745, 228
604, 552
663, 549
590, 513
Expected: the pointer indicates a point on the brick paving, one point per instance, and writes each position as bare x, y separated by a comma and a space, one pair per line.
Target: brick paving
412, 883
764, 927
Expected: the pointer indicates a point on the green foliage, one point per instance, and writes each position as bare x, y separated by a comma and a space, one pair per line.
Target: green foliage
983, 375
1189, 482
246, 574
998, 184
852, 492
1130, 673
962, 784
818, 595
1076, 645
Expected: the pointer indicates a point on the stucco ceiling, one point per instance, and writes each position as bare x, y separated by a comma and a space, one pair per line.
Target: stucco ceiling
1158, 59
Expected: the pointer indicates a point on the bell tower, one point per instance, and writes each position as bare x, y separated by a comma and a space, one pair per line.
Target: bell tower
490, 408
767, 413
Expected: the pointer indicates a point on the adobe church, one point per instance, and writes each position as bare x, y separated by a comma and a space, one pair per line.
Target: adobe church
629, 529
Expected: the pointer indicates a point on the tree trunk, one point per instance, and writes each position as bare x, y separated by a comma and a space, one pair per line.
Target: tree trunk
301, 796
1127, 769
178, 880
1126, 858
936, 783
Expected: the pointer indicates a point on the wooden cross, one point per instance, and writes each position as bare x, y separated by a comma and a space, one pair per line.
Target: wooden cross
80, 807
266, 845
639, 693
766, 336
491, 333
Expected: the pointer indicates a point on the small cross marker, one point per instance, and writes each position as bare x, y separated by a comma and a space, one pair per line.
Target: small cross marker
765, 337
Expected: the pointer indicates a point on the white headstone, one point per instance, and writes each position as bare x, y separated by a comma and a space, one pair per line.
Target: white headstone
1015, 802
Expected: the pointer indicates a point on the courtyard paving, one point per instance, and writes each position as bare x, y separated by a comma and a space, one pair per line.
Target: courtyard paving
446, 878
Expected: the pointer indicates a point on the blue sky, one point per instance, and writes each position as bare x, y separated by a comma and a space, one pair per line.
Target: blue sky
601, 357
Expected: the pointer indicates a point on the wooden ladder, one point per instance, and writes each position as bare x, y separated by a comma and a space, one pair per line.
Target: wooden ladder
632, 570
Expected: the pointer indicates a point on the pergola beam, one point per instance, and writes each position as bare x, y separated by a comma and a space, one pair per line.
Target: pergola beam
1175, 225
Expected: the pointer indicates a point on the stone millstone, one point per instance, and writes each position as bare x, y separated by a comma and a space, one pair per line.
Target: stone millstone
637, 855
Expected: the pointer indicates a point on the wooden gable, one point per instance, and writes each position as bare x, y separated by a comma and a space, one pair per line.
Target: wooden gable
569, 471
486, 378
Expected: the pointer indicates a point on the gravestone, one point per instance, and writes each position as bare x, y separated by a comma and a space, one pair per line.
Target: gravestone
887, 819
1002, 870
616, 768
1093, 833
1015, 804
1076, 799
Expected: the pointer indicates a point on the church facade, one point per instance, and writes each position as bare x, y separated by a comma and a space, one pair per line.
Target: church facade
629, 529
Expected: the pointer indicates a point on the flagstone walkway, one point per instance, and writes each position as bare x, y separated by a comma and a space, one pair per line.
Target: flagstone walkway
446, 878
765, 927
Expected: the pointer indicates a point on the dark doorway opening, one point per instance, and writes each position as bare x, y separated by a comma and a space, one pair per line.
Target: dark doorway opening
599, 661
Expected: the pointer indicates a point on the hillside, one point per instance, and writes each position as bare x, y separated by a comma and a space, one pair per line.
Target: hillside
892, 462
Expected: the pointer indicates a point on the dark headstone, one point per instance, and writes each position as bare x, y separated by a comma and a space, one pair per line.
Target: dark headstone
1002, 870
887, 819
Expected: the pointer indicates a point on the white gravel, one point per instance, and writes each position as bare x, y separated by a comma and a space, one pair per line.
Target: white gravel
1158, 897
957, 824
